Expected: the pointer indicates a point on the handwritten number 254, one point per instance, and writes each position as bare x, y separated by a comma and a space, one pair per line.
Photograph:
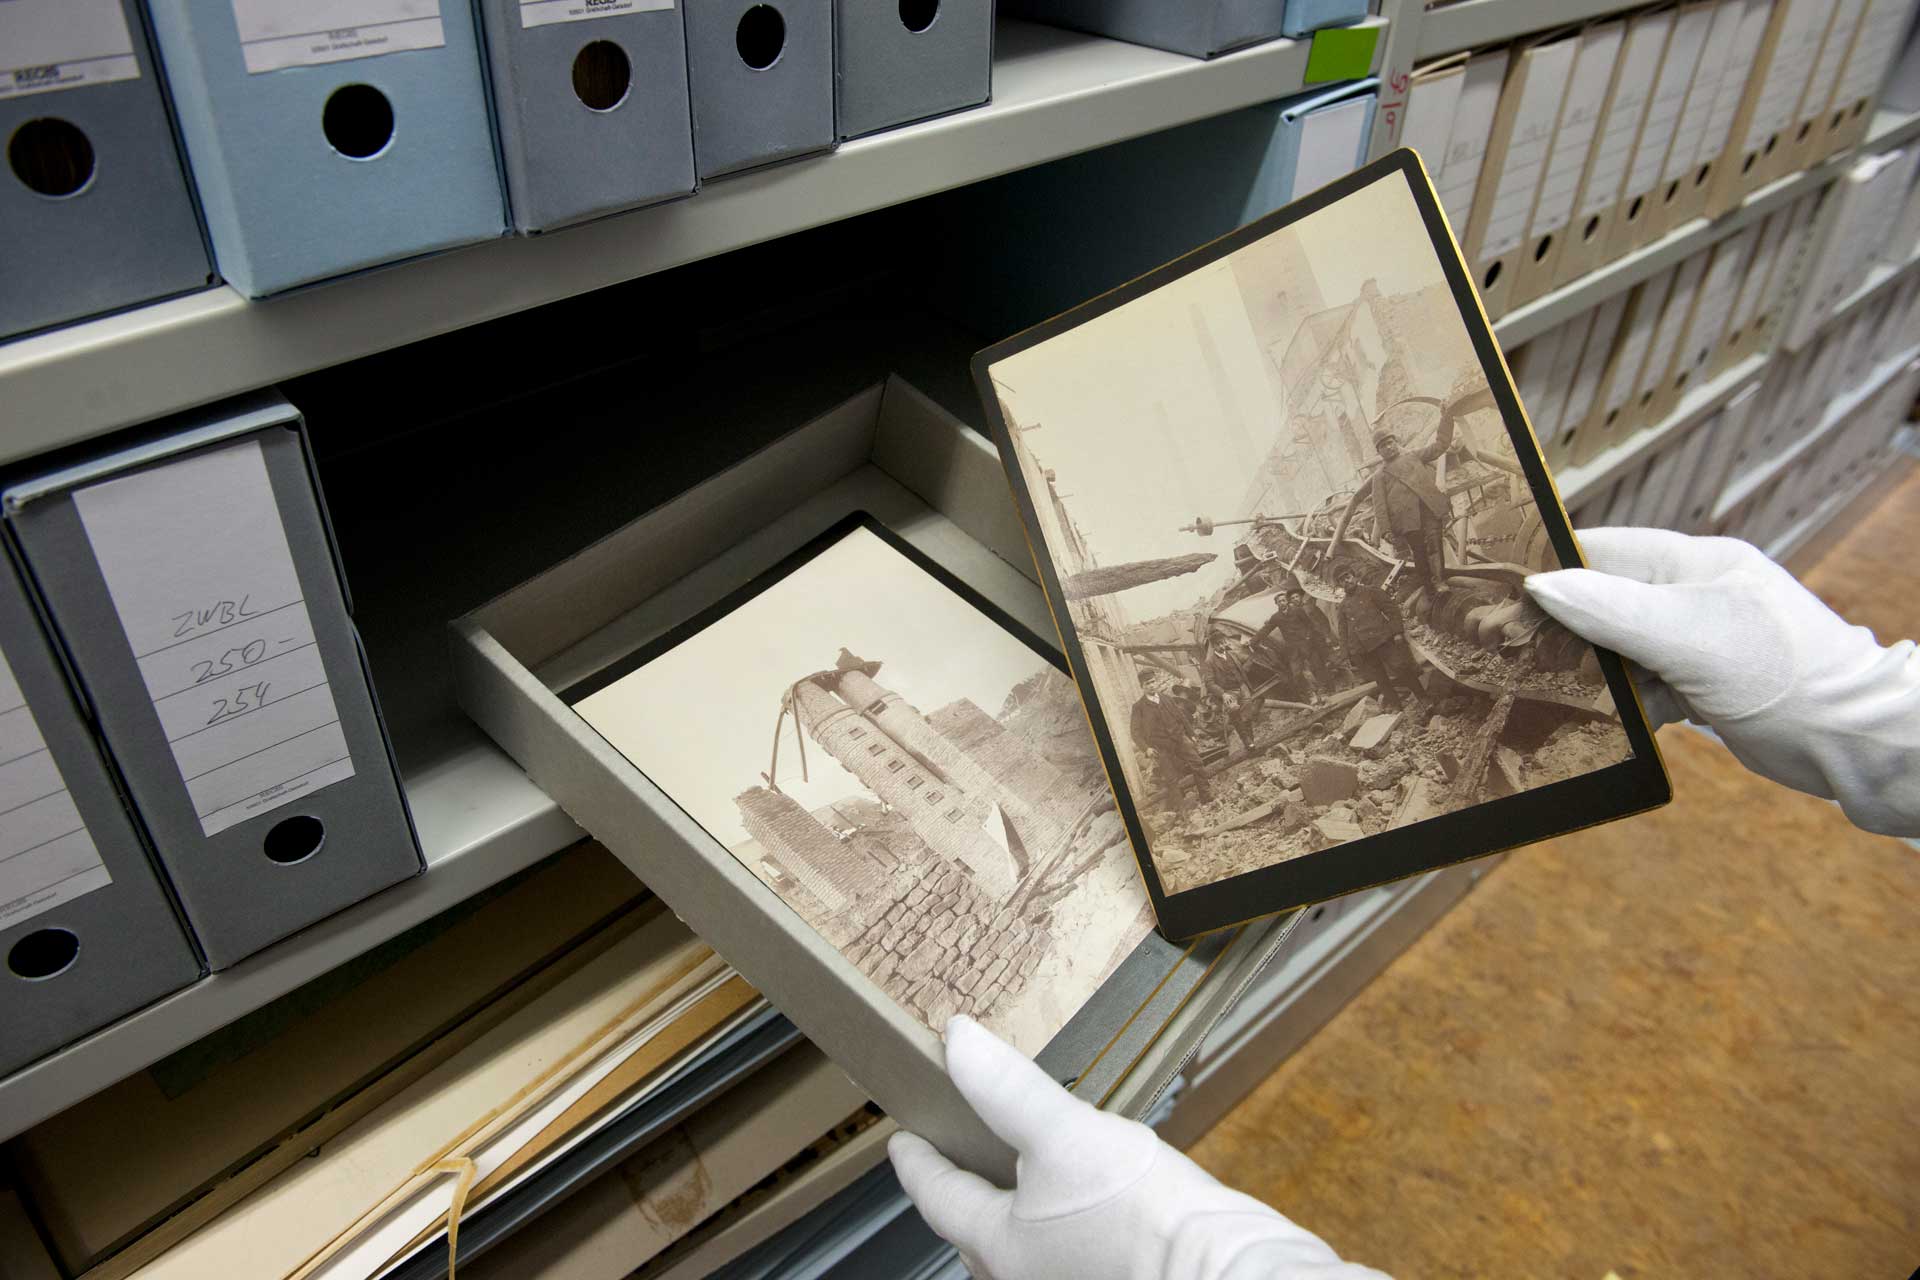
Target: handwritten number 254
249, 697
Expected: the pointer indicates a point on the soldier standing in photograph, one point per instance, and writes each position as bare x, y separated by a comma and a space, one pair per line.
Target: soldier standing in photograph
1374, 635
1305, 640
1160, 732
1409, 507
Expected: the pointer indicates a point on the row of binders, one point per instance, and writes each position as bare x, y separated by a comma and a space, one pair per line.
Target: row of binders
326, 138
192, 762
1575, 147
1816, 426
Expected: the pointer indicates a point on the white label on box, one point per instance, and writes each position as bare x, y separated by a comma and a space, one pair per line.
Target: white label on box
1752, 28
275, 34
1717, 295
1826, 72
1428, 121
1669, 95
1566, 362
1467, 140
47, 855
1679, 310
1690, 134
1873, 48
1547, 69
1579, 118
196, 560
1639, 63
63, 44
538, 13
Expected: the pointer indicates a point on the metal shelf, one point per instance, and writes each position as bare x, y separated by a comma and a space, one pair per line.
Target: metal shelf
1469, 24
1056, 93
1838, 412
1879, 276
1696, 406
480, 821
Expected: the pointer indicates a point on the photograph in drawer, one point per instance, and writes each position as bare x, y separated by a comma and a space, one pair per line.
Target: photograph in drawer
1283, 499
907, 768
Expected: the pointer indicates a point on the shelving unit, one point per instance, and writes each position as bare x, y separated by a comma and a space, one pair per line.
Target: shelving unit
1699, 404
1468, 24
1055, 93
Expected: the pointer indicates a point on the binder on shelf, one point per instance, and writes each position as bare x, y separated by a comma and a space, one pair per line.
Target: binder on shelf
1632, 225
1718, 290
1517, 152
1532, 371
1317, 137
1598, 201
897, 63
1584, 394
1657, 393
1199, 28
1613, 413
762, 80
1656, 478
1796, 68
591, 106
1433, 95
1573, 136
1677, 196
1876, 42
95, 203
1813, 120
192, 582
1781, 64
1303, 17
1751, 25
359, 140
1479, 101
1560, 376
87, 931
1760, 326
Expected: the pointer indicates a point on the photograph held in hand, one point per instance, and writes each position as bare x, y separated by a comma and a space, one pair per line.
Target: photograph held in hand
1283, 499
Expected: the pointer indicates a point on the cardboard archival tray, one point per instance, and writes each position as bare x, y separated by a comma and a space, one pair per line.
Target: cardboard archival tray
892, 453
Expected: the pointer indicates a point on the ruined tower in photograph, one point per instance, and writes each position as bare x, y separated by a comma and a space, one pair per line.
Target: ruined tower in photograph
941, 810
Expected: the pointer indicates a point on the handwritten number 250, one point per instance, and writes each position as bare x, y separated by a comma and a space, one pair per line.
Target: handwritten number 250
249, 654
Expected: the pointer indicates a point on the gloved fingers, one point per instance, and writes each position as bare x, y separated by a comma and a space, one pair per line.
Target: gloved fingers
964, 1209
1018, 1100
1657, 698
1652, 625
1659, 556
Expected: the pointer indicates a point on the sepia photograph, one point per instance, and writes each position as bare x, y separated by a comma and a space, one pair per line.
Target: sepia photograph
908, 774
1288, 524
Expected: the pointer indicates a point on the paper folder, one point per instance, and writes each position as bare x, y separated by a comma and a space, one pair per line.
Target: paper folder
1598, 201
1573, 136
1517, 154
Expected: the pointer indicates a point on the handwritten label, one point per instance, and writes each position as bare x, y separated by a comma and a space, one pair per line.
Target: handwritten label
196, 560
1669, 96
1593, 362
1792, 63
1826, 72
1648, 301
1874, 46
538, 13
63, 44
1579, 118
275, 34
1548, 67
1467, 142
47, 856
1690, 133
1679, 310
1752, 28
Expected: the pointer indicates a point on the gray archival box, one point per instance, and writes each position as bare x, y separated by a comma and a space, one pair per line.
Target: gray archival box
592, 113
173, 550
897, 62
762, 77
73, 961
128, 232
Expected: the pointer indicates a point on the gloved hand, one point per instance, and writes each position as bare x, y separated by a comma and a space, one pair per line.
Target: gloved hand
1097, 1196
1732, 641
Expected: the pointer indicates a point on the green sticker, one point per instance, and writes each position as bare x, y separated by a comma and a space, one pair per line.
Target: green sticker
1341, 53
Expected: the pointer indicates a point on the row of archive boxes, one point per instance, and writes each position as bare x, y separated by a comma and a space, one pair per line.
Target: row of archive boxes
192, 762
326, 138
1575, 147
1817, 425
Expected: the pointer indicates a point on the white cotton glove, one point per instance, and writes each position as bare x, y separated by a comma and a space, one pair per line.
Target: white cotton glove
1097, 1196
1735, 643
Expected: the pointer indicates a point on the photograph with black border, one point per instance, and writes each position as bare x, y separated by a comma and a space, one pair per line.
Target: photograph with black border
1282, 496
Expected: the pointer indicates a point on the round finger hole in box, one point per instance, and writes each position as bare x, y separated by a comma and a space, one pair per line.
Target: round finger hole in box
51, 156
42, 954
294, 839
601, 75
760, 36
918, 15
358, 121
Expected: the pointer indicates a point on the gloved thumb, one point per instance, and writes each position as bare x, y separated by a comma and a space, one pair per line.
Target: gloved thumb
962, 1207
1644, 623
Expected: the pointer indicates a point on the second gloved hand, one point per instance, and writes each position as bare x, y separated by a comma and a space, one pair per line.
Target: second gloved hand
1736, 643
1097, 1196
